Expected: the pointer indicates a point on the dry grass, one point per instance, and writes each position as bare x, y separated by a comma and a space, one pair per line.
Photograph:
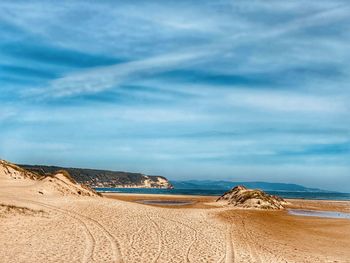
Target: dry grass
64, 173
67, 175
6, 209
26, 173
249, 198
86, 187
73, 181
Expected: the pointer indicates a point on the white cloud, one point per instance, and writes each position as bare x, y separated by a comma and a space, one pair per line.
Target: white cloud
102, 78
7, 113
287, 102
236, 38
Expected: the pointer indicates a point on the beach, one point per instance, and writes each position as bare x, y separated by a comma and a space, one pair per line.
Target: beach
174, 131
116, 228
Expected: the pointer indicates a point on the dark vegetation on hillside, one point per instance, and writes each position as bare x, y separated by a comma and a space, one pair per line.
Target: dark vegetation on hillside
99, 178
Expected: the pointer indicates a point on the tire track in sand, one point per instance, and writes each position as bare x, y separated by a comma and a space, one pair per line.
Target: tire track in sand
236, 227
159, 235
91, 242
229, 256
273, 258
113, 241
194, 237
85, 220
254, 254
134, 235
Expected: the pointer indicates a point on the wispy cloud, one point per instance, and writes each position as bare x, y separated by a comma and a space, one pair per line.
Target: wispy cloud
287, 102
224, 87
102, 78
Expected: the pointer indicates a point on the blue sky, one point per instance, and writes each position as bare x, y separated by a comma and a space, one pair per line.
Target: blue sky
239, 90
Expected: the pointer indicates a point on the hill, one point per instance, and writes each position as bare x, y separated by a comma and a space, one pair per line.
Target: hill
104, 178
57, 183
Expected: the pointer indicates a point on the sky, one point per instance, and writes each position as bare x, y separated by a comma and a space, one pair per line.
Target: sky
220, 90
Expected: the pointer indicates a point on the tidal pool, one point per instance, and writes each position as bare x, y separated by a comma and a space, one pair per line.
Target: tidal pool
165, 202
325, 214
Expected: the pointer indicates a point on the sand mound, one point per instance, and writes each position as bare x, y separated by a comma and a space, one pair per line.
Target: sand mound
11, 171
60, 183
240, 196
63, 184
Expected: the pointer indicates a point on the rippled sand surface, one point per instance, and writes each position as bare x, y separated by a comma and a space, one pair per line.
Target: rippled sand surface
93, 229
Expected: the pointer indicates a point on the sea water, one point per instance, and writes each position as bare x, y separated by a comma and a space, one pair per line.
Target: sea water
326, 214
219, 192
165, 202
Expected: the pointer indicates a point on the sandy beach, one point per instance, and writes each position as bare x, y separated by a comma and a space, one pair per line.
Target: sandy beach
120, 121
115, 228
54, 219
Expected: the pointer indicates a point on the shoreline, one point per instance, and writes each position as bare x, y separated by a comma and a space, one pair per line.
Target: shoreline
210, 196
197, 201
118, 229
51, 221
292, 195
202, 201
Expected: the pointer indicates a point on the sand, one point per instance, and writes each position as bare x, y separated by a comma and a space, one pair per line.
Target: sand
65, 228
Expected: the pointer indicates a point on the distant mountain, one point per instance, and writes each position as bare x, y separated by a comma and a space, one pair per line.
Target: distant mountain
226, 185
104, 178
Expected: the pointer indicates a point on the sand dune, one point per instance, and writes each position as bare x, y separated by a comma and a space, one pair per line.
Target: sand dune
58, 184
68, 227
240, 196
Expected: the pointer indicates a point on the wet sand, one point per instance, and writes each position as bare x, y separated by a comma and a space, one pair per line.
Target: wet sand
194, 200
275, 236
288, 238
207, 201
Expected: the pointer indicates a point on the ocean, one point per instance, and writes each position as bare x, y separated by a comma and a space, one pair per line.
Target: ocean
218, 192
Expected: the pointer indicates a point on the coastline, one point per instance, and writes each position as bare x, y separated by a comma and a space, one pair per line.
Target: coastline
301, 195
118, 229
201, 201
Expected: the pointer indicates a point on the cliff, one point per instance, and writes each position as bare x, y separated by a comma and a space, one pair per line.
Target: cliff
104, 178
